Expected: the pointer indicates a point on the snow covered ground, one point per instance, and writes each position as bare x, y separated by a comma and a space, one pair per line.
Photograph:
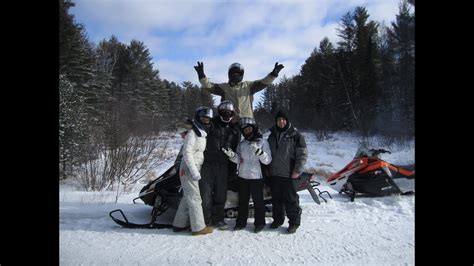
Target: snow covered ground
369, 231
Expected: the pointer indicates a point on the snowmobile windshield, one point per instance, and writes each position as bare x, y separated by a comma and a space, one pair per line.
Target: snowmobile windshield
362, 151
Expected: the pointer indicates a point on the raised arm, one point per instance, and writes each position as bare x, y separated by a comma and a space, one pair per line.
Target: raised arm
205, 83
259, 85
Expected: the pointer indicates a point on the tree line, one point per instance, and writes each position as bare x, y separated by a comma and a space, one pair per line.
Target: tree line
364, 83
111, 93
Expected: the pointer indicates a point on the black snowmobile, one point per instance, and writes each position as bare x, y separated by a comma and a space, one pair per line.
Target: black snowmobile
306, 181
165, 192
160, 193
368, 175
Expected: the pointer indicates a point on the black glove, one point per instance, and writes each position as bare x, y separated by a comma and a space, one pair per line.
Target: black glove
277, 69
200, 70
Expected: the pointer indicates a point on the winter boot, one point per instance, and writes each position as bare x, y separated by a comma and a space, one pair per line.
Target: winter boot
179, 229
274, 225
292, 229
238, 227
205, 231
221, 225
258, 228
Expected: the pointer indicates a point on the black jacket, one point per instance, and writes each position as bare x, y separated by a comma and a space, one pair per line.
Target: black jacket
289, 152
221, 135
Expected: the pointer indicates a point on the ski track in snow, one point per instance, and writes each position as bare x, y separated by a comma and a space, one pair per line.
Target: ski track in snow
369, 231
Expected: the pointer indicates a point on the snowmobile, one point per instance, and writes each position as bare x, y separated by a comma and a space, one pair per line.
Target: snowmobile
368, 175
160, 193
165, 192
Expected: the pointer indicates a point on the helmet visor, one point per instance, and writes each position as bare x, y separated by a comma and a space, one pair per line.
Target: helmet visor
246, 121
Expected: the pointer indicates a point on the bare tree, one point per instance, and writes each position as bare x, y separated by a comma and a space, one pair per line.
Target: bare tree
122, 165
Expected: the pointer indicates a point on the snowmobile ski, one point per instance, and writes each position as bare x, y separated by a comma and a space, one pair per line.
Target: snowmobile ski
125, 223
308, 181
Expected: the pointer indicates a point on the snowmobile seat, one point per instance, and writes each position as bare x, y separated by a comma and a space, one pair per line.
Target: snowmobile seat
409, 167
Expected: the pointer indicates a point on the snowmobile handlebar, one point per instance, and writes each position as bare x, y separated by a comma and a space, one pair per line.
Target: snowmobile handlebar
375, 152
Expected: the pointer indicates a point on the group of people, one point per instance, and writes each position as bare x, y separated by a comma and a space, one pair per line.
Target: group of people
218, 149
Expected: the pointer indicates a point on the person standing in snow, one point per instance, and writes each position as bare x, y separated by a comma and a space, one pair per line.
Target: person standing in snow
215, 170
289, 154
182, 129
189, 211
251, 151
239, 92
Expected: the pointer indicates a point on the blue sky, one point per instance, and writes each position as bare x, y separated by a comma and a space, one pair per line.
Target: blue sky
257, 33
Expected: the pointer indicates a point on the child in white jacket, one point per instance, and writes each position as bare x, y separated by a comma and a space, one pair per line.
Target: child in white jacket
189, 211
251, 151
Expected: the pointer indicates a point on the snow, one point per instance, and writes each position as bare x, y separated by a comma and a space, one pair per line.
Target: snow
369, 231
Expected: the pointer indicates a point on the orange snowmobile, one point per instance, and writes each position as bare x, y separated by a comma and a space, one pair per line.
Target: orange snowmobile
367, 174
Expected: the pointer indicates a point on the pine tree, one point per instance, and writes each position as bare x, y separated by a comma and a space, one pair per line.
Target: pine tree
330, 88
73, 130
76, 80
388, 106
177, 105
346, 70
365, 56
356, 85
195, 97
357, 66
75, 52
402, 36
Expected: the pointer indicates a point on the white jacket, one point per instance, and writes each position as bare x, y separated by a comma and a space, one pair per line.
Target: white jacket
193, 154
247, 162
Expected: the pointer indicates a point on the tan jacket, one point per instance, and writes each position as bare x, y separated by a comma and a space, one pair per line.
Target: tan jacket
241, 95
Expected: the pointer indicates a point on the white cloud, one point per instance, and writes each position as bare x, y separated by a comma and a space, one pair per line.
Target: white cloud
259, 54
383, 11
176, 71
255, 33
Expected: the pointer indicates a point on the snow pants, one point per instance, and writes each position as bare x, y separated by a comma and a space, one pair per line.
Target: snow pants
189, 212
285, 197
213, 187
249, 187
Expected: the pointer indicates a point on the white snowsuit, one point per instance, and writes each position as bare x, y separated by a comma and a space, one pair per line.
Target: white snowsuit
190, 208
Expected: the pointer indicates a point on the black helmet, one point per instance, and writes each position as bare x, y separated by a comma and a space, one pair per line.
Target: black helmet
236, 73
249, 122
203, 112
226, 111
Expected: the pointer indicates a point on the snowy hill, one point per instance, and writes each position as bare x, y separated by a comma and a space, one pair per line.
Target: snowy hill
373, 231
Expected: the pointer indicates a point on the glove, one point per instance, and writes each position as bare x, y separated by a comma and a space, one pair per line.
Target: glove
228, 152
196, 178
257, 150
295, 175
254, 147
277, 69
200, 70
